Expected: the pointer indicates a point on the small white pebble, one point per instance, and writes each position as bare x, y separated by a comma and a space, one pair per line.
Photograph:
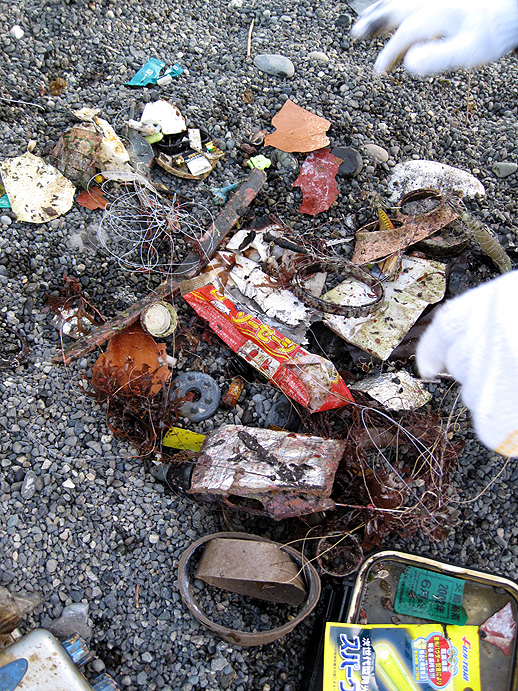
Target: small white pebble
17, 32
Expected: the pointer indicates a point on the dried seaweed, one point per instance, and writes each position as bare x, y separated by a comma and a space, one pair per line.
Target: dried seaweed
72, 298
141, 417
396, 476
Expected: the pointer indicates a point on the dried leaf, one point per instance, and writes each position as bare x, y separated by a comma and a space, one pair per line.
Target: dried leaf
298, 130
92, 198
57, 87
317, 182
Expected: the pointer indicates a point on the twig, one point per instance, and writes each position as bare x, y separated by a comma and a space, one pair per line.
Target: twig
137, 590
25, 103
467, 98
249, 42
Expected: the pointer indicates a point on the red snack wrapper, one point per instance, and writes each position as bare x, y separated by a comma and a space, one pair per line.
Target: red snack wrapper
309, 379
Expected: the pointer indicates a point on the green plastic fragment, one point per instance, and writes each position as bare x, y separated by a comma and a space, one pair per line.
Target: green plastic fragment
4, 202
154, 138
430, 595
260, 162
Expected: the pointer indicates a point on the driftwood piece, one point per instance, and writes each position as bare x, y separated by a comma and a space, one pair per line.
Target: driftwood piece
190, 266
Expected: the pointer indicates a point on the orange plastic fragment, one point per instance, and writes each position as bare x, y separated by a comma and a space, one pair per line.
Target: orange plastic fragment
92, 198
317, 180
296, 129
132, 356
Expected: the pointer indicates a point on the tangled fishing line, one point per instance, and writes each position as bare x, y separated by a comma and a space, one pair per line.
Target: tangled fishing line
145, 232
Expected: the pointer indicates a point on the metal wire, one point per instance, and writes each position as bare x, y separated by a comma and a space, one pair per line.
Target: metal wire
145, 232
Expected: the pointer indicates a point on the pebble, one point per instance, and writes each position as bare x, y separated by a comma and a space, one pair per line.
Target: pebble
276, 65
352, 161
376, 153
318, 56
28, 489
17, 32
503, 169
5, 220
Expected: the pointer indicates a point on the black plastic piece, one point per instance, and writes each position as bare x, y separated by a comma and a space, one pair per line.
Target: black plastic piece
336, 599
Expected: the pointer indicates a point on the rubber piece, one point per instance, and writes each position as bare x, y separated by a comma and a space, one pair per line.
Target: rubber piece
198, 383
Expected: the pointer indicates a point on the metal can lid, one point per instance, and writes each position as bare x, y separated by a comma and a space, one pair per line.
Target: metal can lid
159, 319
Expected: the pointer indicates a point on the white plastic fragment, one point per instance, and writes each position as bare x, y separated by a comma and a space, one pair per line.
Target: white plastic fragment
420, 283
166, 115
414, 175
394, 390
112, 151
277, 303
38, 192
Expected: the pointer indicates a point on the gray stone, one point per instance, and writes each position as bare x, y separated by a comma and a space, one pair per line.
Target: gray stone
318, 56
28, 489
504, 168
376, 153
352, 161
276, 65
73, 619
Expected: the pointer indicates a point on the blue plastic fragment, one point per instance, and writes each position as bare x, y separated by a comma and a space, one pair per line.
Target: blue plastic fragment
77, 650
174, 71
148, 73
221, 193
104, 683
4, 202
12, 673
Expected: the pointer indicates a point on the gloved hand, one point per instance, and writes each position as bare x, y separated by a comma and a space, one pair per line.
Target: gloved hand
440, 35
474, 337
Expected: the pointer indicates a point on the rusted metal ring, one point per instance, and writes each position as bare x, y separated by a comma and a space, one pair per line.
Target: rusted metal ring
349, 270
242, 637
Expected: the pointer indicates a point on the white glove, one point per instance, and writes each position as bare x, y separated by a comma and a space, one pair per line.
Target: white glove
474, 337
440, 35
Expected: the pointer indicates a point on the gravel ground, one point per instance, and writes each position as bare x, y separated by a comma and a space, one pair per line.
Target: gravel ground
95, 528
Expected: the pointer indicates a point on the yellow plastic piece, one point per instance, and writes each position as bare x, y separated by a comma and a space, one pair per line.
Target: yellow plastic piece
384, 221
177, 438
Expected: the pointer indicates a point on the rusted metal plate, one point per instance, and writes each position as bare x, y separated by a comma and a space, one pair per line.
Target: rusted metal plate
288, 474
298, 130
372, 244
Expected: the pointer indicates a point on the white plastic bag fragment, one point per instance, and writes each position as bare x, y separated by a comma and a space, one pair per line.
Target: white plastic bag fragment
420, 283
113, 152
415, 175
394, 390
38, 192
